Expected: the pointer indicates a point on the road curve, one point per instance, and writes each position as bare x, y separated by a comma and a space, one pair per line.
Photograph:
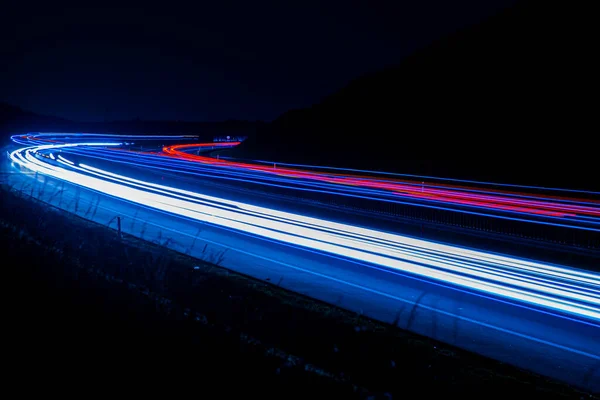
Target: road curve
550, 311
565, 210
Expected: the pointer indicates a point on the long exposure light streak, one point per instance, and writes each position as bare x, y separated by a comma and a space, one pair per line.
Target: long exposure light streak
460, 195
557, 288
581, 214
419, 177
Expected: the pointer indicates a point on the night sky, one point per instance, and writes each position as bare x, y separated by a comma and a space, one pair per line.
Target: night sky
208, 61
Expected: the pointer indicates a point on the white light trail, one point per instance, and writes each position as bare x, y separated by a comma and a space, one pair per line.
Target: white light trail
549, 286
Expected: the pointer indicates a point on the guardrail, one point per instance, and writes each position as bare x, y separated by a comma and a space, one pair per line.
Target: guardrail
560, 237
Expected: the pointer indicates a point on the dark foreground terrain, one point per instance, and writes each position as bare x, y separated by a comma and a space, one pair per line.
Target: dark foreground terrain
89, 311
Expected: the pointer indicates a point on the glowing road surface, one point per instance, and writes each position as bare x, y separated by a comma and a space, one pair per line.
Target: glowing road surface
547, 310
551, 209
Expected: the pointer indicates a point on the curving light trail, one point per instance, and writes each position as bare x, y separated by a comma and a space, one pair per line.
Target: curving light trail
557, 289
563, 211
499, 200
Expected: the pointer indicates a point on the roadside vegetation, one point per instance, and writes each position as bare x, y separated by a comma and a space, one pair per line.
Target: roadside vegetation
97, 302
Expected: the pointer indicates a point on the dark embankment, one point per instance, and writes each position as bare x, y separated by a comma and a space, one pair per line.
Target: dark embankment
508, 100
85, 306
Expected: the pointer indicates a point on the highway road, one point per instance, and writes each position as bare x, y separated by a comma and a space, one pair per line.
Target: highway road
551, 206
535, 315
574, 209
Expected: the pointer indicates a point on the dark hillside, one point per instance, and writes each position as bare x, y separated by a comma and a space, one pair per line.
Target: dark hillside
506, 100
14, 120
